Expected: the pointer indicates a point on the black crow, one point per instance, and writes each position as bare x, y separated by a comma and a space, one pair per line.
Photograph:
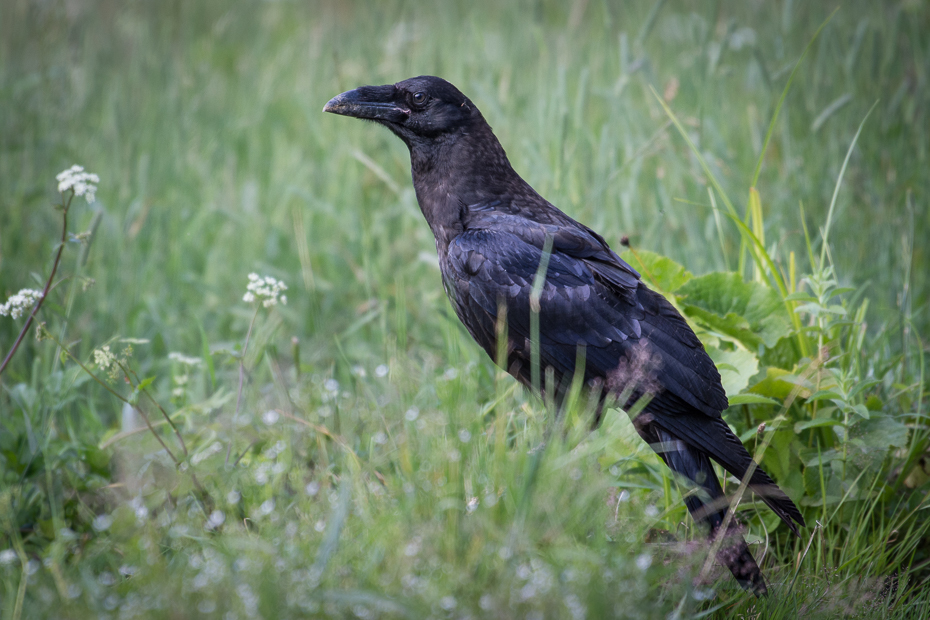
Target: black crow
494, 233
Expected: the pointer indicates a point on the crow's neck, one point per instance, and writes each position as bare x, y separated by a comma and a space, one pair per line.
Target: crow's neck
451, 173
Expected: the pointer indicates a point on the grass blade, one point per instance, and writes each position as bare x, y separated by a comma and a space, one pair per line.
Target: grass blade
836, 189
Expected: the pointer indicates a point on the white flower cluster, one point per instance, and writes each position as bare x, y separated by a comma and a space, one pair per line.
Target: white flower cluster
266, 290
82, 183
21, 302
103, 358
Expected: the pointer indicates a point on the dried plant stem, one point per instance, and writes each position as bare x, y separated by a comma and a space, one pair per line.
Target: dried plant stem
48, 283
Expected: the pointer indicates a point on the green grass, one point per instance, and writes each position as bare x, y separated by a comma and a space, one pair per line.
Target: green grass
428, 490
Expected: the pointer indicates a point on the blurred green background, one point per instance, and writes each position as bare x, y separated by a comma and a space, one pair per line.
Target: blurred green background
203, 120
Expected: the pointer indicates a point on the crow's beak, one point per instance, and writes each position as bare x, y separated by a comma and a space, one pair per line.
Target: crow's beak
376, 103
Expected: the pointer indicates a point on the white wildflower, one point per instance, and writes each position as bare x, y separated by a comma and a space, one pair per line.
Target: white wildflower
103, 358
21, 302
265, 289
216, 519
80, 182
7, 556
102, 522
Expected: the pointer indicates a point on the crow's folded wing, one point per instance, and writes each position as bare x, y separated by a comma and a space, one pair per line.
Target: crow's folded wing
614, 318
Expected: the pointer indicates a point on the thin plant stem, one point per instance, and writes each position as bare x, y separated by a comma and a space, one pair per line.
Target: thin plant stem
127, 371
245, 348
744, 483
205, 497
48, 283
114, 393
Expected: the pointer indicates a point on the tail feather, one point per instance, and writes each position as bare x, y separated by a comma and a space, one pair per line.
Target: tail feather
718, 441
710, 506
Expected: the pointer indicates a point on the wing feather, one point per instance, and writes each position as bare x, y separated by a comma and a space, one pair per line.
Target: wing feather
484, 268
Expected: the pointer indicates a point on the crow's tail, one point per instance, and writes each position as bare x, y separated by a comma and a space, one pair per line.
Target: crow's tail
709, 505
719, 443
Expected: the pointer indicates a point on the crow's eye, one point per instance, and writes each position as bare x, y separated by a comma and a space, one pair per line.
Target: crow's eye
419, 98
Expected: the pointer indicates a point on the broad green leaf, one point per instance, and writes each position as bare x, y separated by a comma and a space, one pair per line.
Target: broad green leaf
812, 483
750, 312
773, 385
747, 434
862, 386
736, 368
826, 395
879, 433
780, 460
747, 398
861, 410
659, 271
826, 457
813, 308
816, 423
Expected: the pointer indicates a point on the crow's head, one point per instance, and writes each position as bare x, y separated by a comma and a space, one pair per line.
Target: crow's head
421, 110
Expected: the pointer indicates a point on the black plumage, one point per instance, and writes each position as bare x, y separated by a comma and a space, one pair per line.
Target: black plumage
492, 233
